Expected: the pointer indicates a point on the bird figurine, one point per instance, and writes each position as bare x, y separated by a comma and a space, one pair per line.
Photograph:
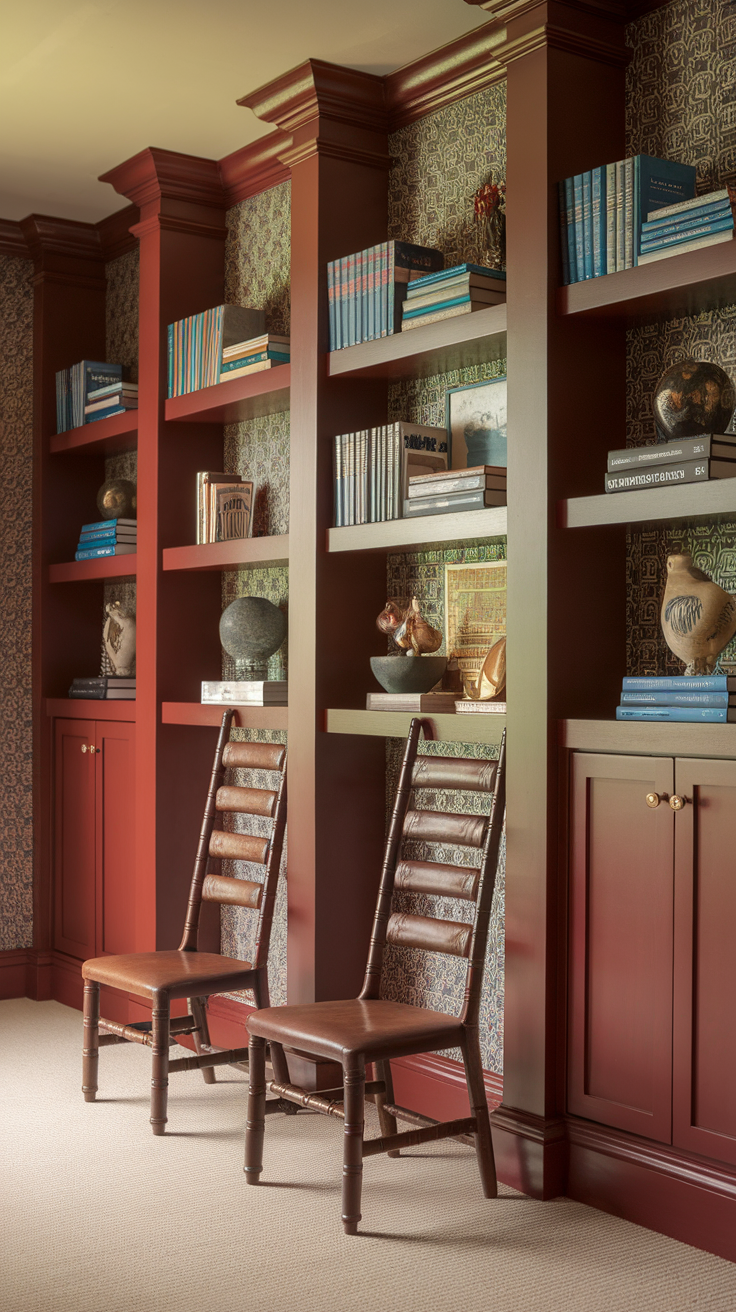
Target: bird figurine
698, 616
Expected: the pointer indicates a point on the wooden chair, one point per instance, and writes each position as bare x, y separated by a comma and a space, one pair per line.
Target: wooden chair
372, 1029
158, 977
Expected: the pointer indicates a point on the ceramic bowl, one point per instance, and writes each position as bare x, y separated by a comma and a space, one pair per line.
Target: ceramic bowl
408, 673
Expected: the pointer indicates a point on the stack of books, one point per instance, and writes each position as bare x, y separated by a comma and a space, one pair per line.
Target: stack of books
253, 356
108, 537
602, 212
456, 489
373, 468
468, 707
424, 703
688, 226
703, 698
74, 389
196, 344
450, 292
365, 291
691, 460
273, 692
108, 687
224, 507
113, 399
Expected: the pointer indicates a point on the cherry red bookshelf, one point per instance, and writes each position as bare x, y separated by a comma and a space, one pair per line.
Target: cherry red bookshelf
436, 348
105, 436
107, 567
265, 393
73, 708
413, 534
677, 285
229, 555
246, 717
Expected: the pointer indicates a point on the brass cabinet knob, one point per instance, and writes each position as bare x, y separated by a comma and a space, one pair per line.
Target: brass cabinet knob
677, 802
84, 747
654, 799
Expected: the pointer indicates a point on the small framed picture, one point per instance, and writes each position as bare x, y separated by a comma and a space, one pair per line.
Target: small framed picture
476, 424
475, 613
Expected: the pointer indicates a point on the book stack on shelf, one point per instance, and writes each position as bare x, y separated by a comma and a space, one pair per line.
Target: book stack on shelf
688, 226
702, 698
245, 692
456, 489
365, 291
416, 703
254, 356
81, 387
450, 292
196, 345
224, 507
114, 399
108, 687
373, 469
689, 460
602, 212
108, 537
469, 707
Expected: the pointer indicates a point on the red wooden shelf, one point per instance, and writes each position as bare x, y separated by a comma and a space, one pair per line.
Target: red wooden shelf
229, 555
105, 436
677, 285
265, 393
246, 717
106, 567
77, 708
434, 349
648, 738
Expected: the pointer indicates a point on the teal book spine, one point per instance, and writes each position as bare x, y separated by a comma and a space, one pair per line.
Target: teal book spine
677, 714
588, 222
570, 213
563, 234
578, 221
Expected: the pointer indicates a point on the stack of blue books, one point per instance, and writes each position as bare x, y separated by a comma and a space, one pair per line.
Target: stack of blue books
688, 226
108, 537
113, 399
702, 698
449, 292
602, 212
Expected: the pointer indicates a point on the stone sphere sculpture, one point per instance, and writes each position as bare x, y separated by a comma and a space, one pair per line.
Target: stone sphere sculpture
251, 630
117, 499
693, 397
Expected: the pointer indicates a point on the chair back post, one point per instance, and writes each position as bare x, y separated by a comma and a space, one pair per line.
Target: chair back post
484, 900
372, 980
191, 924
271, 880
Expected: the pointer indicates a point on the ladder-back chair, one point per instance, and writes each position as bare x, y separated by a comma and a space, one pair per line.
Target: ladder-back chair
159, 977
373, 1029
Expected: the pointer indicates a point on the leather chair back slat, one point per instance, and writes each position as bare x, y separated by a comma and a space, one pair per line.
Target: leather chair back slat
431, 935
249, 801
238, 847
232, 892
451, 772
438, 879
440, 827
253, 756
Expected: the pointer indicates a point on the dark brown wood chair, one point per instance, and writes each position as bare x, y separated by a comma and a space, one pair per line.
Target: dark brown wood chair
158, 977
372, 1029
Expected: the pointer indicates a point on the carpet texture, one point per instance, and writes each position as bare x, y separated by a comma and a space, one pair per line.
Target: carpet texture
100, 1216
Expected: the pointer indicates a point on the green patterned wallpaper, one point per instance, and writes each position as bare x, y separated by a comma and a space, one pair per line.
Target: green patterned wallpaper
121, 347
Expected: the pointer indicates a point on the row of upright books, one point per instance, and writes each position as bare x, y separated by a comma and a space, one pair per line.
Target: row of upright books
689, 460
451, 292
603, 212
365, 291
107, 537
228, 341
703, 699
373, 467
91, 390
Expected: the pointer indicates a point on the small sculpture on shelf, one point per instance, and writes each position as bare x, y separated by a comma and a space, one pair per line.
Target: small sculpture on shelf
117, 499
118, 640
698, 616
408, 628
489, 204
491, 681
692, 397
251, 630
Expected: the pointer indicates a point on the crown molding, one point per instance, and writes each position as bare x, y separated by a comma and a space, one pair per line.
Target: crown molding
255, 168
445, 76
45, 235
624, 10
154, 175
317, 88
12, 240
561, 38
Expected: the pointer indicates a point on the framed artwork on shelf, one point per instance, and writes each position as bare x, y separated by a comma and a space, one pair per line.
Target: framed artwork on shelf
476, 424
234, 511
475, 613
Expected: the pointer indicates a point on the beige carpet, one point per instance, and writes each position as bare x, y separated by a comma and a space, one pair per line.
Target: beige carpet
100, 1216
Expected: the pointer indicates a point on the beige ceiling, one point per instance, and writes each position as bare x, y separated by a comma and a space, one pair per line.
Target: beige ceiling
85, 84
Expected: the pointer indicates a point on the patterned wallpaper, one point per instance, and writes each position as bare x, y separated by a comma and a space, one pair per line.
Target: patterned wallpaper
680, 104
121, 347
16, 464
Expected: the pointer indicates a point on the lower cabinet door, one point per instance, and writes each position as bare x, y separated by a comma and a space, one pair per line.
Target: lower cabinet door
74, 838
704, 1096
115, 836
620, 947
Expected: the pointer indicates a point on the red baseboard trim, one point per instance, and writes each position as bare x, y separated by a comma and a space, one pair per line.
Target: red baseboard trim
15, 965
435, 1086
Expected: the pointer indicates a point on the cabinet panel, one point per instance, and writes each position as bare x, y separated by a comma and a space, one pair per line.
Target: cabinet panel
74, 822
115, 835
621, 907
704, 1102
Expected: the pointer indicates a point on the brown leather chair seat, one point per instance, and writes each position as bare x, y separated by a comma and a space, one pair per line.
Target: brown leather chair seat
372, 1026
147, 973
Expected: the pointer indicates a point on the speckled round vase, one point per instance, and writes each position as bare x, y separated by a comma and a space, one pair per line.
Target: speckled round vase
408, 673
251, 630
117, 499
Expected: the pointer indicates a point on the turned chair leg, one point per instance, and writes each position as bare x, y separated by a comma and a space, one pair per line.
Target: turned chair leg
160, 1066
386, 1121
352, 1162
201, 1035
479, 1109
279, 1063
255, 1124
91, 1050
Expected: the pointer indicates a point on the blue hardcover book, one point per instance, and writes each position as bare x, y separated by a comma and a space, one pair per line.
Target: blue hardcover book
588, 222
578, 222
724, 224
170, 360
676, 714
105, 414
456, 271
437, 305
279, 357
101, 524
563, 235
689, 219
610, 218
570, 222
101, 537
330, 302
680, 683
93, 553
620, 216
657, 183
599, 222
719, 699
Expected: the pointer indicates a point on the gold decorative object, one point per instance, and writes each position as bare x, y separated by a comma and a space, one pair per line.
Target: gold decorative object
491, 681
676, 802
408, 628
489, 203
698, 616
653, 800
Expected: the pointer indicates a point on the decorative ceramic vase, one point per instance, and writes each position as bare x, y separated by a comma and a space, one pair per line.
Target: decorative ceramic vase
118, 639
698, 617
408, 673
251, 630
117, 499
693, 397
